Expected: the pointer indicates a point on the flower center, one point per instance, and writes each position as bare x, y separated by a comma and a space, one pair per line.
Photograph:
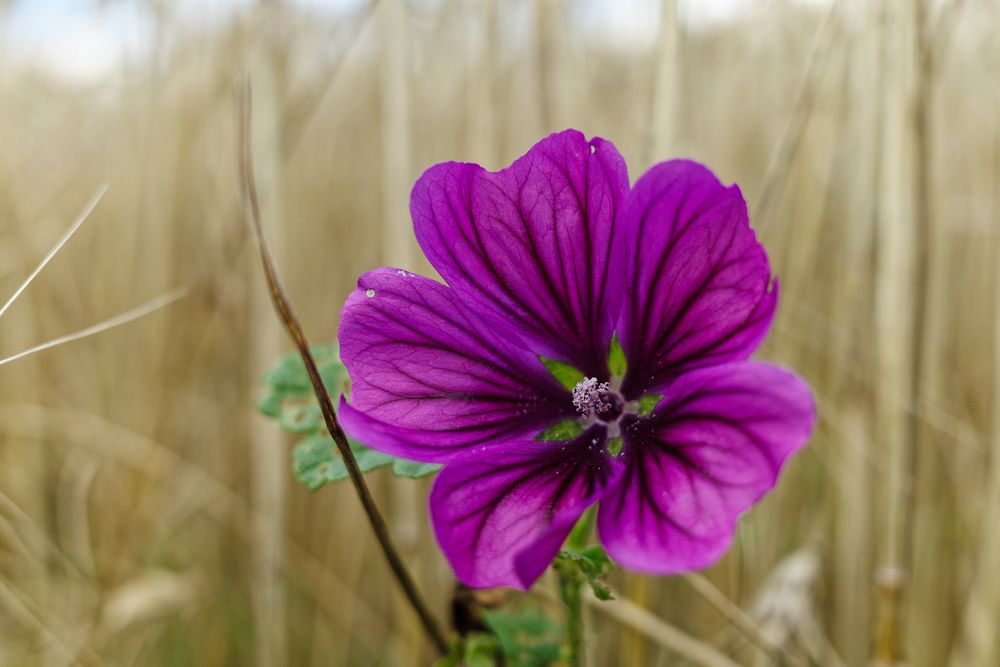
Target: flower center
595, 399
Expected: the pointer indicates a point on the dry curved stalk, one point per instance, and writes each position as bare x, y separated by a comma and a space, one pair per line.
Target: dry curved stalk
290, 321
123, 318
67, 235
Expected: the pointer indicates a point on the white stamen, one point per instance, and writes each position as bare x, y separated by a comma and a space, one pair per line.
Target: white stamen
589, 396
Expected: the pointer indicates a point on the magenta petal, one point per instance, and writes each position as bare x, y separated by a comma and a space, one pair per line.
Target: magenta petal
698, 287
713, 446
427, 373
414, 444
501, 517
533, 244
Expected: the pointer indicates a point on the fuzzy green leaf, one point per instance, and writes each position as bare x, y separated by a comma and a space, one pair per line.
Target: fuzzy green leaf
476, 649
291, 402
414, 469
271, 404
481, 650
289, 375
593, 563
290, 398
301, 418
316, 461
527, 637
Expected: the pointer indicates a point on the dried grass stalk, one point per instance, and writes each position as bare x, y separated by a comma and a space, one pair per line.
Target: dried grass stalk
268, 449
894, 305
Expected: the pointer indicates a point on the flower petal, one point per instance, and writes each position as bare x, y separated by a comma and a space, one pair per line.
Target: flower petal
426, 373
711, 448
501, 518
533, 244
698, 281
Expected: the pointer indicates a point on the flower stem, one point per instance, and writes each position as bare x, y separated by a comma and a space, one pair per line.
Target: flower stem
571, 591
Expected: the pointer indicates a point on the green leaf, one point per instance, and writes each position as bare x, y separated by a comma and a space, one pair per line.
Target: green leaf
289, 374
476, 649
593, 563
615, 445
617, 363
301, 418
290, 397
450, 660
414, 469
564, 430
648, 402
369, 459
568, 376
527, 637
270, 405
454, 656
316, 461
291, 402
481, 650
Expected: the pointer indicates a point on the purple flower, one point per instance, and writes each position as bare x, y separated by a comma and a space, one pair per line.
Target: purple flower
557, 259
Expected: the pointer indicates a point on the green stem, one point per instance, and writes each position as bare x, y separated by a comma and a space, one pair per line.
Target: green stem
571, 591
580, 534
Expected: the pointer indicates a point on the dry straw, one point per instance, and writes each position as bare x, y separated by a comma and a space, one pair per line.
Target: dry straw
127, 455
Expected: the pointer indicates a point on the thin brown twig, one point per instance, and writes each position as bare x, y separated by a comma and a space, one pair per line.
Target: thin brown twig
286, 313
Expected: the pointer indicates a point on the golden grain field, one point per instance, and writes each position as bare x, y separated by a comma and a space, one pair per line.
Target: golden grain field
148, 514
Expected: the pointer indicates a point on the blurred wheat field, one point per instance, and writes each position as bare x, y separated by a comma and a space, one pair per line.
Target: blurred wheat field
148, 516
